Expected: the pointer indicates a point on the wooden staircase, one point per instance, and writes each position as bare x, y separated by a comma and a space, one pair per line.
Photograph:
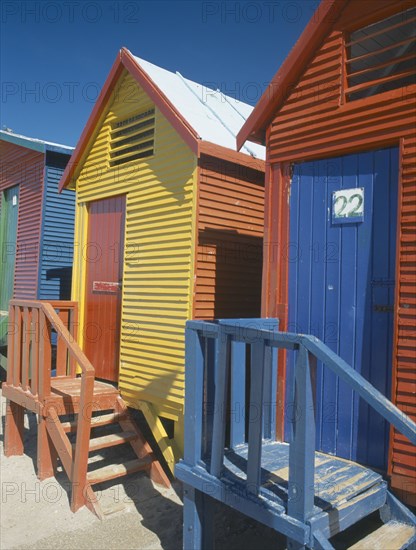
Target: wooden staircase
306, 495
95, 404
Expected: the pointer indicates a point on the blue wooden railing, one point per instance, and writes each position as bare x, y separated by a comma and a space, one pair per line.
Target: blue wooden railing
216, 364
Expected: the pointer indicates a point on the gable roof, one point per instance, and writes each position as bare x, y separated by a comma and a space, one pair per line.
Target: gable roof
199, 115
35, 144
290, 71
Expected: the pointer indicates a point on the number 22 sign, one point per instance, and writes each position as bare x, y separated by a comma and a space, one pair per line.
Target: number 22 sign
348, 205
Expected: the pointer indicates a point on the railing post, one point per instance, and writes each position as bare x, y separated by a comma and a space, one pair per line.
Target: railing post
194, 374
302, 446
198, 511
34, 380
61, 350
222, 364
255, 430
45, 356
80, 465
10, 344
17, 347
73, 331
238, 393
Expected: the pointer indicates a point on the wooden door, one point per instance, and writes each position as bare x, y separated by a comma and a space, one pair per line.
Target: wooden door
343, 223
103, 292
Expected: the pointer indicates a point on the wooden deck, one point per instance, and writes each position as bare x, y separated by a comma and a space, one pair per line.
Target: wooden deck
336, 480
306, 495
30, 385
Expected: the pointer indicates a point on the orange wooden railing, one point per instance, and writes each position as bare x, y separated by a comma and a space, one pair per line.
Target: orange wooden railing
31, 323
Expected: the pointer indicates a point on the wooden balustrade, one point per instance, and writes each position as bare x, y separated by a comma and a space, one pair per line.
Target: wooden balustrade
213, 373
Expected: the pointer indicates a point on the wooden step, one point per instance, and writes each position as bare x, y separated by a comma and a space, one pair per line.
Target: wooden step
111, 440
392, 535
118, 470
96, 421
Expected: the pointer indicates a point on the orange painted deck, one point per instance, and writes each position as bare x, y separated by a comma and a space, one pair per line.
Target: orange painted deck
31, 386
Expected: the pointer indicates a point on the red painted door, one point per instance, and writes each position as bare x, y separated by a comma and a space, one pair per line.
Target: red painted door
104, 258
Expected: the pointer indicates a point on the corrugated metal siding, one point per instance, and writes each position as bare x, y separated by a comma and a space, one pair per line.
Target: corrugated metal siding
24, 167
403, 461
230, 239
157, 282
312, 120
313, 123
57, 238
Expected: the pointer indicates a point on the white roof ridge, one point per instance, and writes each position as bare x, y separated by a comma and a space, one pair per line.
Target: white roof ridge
216, 119
184, 80
36, 140
245, 146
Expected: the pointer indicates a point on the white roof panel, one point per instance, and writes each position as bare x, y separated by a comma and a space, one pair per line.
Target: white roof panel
214, 116
34, 143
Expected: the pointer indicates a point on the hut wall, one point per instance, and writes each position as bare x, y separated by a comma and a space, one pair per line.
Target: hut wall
230, 240
25, 168
315, 121
57, 241
159, 244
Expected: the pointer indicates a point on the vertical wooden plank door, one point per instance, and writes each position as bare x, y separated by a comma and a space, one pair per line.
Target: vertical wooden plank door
343, 223
104, 260
8, 234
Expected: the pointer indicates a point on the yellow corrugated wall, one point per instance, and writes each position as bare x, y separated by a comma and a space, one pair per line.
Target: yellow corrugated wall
159, 249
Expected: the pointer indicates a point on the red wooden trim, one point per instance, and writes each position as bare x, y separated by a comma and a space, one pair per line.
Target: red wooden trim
396, 303
381, 31
267, 245
379, 81
182, 126
217, 151
194, 275
290, 71
377, 52
282, 189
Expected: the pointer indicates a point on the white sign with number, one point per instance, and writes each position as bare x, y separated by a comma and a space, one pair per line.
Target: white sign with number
348, 205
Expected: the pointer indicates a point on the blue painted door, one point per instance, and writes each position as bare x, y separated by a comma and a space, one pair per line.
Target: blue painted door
343, 219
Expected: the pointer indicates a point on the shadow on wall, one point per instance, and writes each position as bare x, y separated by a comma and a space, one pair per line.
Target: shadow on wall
64, 276
229, 274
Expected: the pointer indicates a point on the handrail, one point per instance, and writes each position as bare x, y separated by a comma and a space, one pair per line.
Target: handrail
73, 347
367, 391
302, 446
45, 319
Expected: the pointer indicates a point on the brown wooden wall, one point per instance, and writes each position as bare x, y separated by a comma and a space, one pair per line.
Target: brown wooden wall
25, 168
230, 238
315, 122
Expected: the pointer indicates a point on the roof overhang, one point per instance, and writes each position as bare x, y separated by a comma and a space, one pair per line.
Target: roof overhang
126, 61
254, 129
34, 144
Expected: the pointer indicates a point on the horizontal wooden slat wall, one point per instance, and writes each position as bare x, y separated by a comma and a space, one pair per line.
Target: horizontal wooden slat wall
157, 282
403, 453
25, 168
230, 238
315, 121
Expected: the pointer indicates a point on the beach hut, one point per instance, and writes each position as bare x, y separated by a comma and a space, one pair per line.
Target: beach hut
169, 226
338, 122
36, 224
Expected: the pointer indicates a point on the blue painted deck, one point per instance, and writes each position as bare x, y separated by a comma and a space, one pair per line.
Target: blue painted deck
230, 456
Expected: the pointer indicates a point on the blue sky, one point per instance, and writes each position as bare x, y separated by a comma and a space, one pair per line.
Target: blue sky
56, 55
